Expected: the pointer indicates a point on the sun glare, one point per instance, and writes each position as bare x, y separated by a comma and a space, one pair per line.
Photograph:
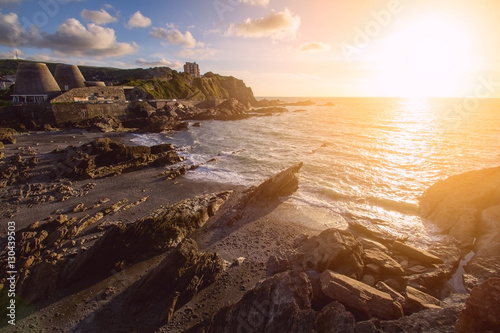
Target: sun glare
427, 57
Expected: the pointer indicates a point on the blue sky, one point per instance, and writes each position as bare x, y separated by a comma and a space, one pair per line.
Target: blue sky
278, 47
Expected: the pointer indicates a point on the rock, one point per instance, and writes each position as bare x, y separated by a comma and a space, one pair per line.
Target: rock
335, 318
396, 296
415, 253
418, 300
359, 296
103, 157
482, 311
281, 303
332, 249
455, 204
161, 230
432, 320
7, 136
278, 263
383, 260
478, 270
283, 184
187, 272
369, 280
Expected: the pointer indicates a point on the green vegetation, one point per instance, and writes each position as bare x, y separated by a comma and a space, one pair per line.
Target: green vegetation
159, 82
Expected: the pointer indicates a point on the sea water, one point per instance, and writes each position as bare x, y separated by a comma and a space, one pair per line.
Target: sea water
369, 158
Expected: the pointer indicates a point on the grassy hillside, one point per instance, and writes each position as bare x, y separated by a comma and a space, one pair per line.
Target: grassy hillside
160, 82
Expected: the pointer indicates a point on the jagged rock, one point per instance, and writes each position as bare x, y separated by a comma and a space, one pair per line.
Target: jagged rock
359, 296
102, 158
478, 270
332, 249
283, 184
7, 136
278, 263
415, 253
281, 303
440, 320
161, 230
181, 275
383, 260
418, 300
482, 311
334, 318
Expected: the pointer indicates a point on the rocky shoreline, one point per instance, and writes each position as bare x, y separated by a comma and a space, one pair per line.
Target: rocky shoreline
111, 237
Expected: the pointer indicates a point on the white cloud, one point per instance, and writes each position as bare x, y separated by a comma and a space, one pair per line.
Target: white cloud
262, 3
314, 47
138, 21
197, 53
11, 54
72, 38
159, 63
8, 2
277, 25
100, 17
11, 32
174, 36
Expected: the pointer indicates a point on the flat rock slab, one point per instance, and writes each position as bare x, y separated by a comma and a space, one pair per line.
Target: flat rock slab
385, 261
421, 255
360, 296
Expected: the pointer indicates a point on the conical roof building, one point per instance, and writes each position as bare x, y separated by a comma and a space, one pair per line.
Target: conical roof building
69, 77
34, 84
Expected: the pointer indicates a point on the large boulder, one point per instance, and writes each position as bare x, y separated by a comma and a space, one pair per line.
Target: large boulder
455, 204
482, 310
281, 303
360, 297
332, 249
167, 287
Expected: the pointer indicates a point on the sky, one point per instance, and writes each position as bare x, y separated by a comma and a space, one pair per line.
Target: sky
279, 48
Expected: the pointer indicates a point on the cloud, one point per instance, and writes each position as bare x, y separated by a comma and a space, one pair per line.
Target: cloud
74, 39
197, 53
174, 36
11, 32
277, 25
100, 17
262, 3
314, 47
11, 54
159, 63
137, 20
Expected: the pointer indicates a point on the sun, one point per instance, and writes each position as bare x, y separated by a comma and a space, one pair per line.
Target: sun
428, 56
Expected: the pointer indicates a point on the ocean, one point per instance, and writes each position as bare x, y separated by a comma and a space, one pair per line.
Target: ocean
367, 158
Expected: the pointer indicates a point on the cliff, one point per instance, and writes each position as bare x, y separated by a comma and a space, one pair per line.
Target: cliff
210, 86
160, 82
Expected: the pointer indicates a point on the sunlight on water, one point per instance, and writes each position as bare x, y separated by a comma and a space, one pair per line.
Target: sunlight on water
369, 158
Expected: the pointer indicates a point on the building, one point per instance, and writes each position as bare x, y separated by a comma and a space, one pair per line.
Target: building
69, 77
34, 84
5, 83
192, 69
